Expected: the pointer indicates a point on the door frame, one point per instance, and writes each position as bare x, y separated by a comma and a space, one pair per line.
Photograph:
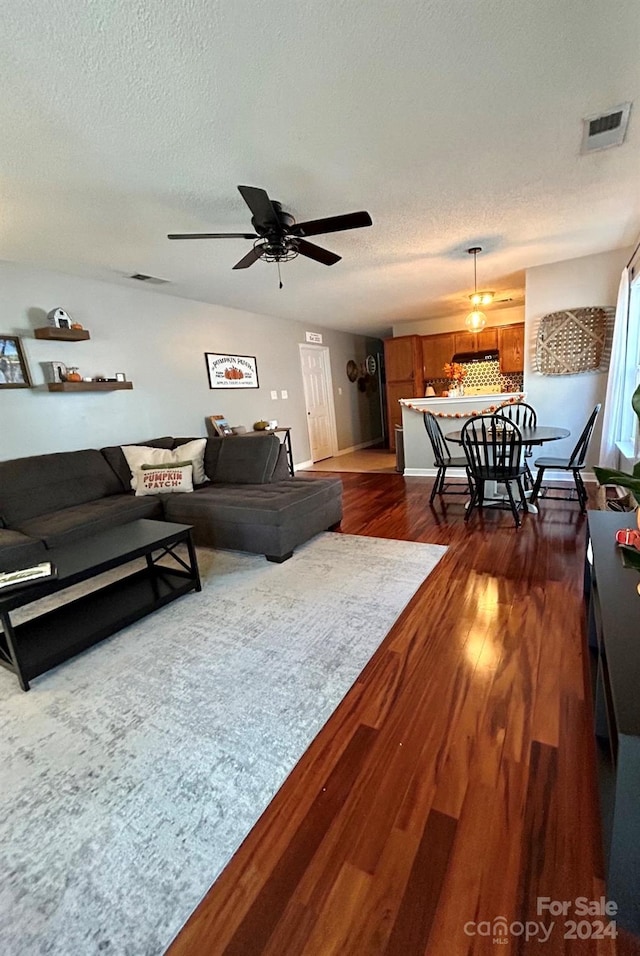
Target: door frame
326, 368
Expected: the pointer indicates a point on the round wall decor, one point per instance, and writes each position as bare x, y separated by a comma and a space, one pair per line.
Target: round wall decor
352, 370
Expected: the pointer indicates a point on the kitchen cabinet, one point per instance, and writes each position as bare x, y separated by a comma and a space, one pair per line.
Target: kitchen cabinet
511, 347
403, 372
436, 351
484, 341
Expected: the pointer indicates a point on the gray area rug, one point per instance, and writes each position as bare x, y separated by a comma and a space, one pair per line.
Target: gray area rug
131, 774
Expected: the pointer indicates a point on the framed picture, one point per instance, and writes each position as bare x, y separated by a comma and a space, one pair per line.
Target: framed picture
14, 371
231, 371
121, 377
220, 426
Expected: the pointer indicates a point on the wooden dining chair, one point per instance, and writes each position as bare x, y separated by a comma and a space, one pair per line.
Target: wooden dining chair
574, 463
443, 459
525, 417
494, 452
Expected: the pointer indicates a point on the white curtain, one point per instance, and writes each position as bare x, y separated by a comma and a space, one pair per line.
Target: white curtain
613, 405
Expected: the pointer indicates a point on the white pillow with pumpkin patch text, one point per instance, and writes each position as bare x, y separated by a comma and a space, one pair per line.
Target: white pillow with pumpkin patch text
139, 455
164, 479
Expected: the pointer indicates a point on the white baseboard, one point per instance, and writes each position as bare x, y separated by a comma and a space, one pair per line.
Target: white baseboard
301, 465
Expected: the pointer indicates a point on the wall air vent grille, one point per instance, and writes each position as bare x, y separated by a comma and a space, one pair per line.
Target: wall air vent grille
606, 129
152, 280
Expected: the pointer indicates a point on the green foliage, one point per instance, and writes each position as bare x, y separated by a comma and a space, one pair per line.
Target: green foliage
609, 476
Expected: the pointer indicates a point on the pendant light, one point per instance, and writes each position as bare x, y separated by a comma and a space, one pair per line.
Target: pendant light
477, 320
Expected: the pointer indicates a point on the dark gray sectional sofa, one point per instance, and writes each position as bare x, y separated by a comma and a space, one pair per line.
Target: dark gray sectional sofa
249, 504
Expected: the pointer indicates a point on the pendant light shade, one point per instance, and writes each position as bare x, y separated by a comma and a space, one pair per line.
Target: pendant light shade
477, 320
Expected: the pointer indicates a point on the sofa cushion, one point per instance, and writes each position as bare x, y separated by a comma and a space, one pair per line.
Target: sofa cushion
117, 461
93, 516
44, 483
139, 455
164, 479
249, 460
272, 504
18, 550
281, 471
270, 519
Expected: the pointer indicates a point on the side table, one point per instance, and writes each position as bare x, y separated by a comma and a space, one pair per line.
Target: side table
614, 637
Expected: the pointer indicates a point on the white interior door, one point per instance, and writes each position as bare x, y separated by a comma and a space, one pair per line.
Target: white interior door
318, 397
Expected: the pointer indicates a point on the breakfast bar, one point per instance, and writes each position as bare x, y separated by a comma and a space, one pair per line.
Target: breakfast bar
418, 454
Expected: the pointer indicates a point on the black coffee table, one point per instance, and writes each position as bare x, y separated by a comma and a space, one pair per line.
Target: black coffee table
31, 648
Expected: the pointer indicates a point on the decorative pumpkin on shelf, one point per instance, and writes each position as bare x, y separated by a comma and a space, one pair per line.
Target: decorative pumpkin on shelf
73, 375
76, 325
260, 426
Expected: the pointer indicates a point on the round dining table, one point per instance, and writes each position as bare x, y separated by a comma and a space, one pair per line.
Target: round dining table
535, 435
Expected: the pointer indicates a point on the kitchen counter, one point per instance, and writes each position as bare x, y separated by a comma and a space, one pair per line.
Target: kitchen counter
418, 454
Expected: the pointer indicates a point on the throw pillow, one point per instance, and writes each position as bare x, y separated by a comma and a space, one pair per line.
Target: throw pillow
138, 455
164, 479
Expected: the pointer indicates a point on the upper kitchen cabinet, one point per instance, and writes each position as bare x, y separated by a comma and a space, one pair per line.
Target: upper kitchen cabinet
484, 341
403, 371
436, 351
511, 348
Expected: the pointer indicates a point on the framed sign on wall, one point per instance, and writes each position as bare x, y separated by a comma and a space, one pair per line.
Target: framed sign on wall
231, 371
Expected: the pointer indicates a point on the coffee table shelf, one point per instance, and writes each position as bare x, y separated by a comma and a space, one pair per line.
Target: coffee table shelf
35, 646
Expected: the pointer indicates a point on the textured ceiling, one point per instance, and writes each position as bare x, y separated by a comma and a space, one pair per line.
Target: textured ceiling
453, 123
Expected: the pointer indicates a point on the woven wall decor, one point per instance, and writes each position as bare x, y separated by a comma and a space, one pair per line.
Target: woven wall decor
575, 340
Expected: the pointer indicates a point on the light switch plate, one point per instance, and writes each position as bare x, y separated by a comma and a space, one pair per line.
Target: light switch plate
274, 393
284, 393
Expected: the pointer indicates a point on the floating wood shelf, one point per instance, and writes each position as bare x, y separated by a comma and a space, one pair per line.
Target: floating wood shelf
87, 386
62, 335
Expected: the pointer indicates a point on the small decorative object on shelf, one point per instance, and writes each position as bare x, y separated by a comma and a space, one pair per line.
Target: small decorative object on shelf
59, 319
55, 371
73, 375
260, 426
121, 377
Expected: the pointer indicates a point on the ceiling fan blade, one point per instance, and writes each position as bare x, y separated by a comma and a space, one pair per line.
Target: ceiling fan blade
311, 251
212, 235
249, 259
316, 227
261, 207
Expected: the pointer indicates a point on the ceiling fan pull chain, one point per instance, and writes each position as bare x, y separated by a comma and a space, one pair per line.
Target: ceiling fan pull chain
280, 286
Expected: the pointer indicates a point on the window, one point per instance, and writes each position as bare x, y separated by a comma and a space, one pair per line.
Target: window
629, 431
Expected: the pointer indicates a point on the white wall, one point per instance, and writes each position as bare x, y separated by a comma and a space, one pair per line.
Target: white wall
159, 342
567, 400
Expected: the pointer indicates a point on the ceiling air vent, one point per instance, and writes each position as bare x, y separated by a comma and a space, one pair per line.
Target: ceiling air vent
152, 280
605, 129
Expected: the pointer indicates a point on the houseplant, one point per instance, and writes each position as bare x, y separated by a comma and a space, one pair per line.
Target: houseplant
609, 476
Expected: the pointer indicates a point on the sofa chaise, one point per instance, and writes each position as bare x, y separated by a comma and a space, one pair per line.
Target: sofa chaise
249, 502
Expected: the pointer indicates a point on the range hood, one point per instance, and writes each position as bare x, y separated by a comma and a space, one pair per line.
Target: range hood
467, 358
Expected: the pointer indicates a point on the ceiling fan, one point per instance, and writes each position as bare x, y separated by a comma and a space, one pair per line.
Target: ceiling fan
278, 237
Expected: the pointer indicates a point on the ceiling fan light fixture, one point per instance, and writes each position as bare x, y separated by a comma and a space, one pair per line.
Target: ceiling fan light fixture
481, 298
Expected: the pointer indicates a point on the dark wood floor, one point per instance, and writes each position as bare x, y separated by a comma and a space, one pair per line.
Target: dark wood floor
456, 780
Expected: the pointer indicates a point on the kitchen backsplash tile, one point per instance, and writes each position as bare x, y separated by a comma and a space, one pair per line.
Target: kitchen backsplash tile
483, 374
